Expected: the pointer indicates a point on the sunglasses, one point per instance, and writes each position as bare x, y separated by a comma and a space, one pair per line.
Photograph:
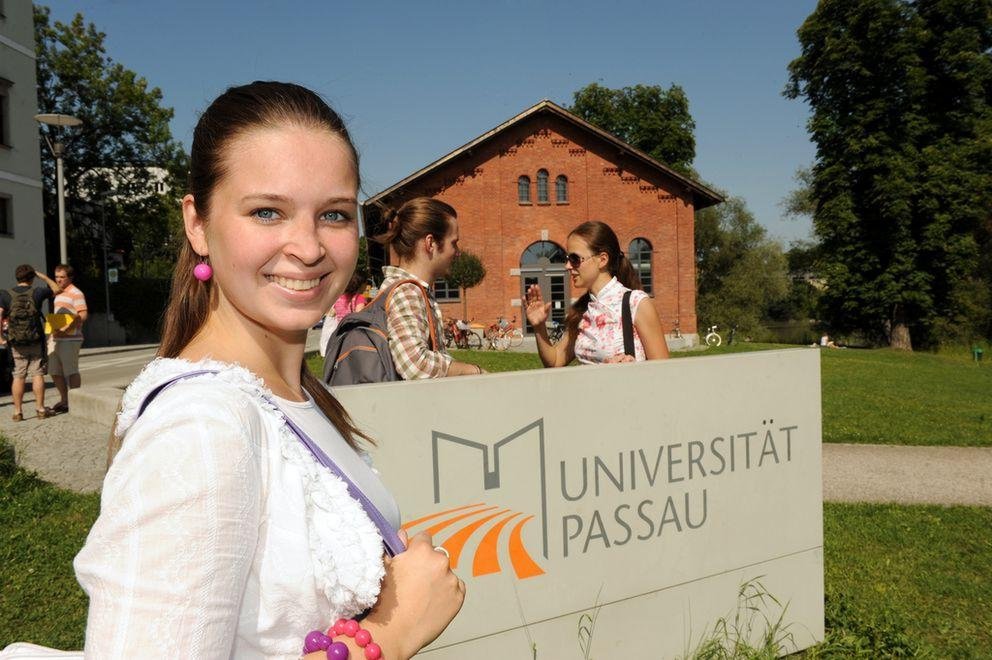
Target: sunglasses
575, 260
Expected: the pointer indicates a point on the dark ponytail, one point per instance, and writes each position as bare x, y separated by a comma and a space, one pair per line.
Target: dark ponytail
415, 219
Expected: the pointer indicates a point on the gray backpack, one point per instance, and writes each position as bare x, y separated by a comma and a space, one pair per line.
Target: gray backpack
358, 351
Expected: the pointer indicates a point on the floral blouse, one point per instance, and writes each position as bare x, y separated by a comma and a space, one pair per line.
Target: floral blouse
601, 328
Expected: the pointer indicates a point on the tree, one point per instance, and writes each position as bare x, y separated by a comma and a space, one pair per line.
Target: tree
740, 273
125, 132
467, 271
800, 202
902, 182
654, 120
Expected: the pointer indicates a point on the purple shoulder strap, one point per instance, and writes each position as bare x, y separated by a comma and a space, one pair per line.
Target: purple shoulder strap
390, 538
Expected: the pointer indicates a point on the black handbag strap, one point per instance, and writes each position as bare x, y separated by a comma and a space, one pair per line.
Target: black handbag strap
390, 538
628, 326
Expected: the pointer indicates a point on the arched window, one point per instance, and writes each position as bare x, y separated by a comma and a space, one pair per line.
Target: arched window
561, 189
543, 253
640, 258
523, 190
542, 186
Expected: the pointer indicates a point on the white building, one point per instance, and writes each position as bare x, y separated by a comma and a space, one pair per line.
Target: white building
22, 228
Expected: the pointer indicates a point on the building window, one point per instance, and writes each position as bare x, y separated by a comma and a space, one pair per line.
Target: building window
561, 189
6, 221
640, 258
443, 291
543, 253
5, 86
523, 190
542, 186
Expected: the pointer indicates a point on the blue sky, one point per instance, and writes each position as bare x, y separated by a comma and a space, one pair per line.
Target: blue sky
418, 79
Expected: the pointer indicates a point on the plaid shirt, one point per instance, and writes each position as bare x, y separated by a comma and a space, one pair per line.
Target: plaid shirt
409, 332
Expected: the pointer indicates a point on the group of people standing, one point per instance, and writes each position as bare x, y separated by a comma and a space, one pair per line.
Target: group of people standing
239, 510
423, 234
42, 344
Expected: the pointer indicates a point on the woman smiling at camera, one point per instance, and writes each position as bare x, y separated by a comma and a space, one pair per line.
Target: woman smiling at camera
239, 513
594, 324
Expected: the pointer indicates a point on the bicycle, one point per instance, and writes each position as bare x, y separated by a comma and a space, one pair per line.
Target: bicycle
460, 337
712, 338
503, 334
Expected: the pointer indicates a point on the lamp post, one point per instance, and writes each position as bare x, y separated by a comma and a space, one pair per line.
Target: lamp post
58, 149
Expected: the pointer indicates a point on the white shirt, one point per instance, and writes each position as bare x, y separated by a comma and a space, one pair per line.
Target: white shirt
219, 535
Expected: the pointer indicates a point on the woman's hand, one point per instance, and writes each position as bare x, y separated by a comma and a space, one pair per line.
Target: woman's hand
419, 598
537, 310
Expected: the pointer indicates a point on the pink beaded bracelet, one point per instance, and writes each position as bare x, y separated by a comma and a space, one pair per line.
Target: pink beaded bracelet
318, 641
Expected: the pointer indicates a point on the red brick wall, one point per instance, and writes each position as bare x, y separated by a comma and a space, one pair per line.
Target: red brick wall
637, 201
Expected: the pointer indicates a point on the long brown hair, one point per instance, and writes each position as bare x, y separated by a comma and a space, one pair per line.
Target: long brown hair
233, 113
415, 219
602, 239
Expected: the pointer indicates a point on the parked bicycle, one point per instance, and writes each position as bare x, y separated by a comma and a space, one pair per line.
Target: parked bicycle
712, 338
460, 334
503, 334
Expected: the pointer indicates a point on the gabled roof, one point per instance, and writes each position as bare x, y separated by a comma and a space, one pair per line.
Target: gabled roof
703, 195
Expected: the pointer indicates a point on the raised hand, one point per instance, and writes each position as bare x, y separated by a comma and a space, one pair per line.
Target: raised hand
537, 310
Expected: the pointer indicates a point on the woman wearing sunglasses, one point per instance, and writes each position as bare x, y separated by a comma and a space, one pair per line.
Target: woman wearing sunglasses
594, 324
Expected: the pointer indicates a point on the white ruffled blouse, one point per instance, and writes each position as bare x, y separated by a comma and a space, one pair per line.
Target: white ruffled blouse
219, 535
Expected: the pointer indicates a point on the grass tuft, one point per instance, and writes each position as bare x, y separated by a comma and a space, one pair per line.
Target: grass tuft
751, 633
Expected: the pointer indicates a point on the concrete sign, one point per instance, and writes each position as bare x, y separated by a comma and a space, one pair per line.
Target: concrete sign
634, 500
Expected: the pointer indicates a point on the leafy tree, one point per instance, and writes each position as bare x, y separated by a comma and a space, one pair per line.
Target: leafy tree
800, 202
655, 120
741, 273
902, 182
125, 132
467, 271
802, 302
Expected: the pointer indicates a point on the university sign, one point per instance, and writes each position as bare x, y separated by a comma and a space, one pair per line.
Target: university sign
643, 496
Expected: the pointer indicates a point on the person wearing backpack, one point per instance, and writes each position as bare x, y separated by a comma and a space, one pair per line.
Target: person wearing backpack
21, 306
423, 233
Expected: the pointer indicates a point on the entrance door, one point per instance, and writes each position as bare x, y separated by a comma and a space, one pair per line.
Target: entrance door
543, 263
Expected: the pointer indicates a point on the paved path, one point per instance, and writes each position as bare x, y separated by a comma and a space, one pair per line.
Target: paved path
911, 475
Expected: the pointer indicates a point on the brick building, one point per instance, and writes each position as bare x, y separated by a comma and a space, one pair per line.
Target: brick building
521, 187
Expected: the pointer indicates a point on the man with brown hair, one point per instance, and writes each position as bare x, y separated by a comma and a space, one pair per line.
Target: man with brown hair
26, 335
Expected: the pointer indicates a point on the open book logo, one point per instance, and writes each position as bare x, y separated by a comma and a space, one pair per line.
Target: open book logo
496, 528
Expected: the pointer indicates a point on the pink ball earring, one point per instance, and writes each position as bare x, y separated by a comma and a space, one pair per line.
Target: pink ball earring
202, 271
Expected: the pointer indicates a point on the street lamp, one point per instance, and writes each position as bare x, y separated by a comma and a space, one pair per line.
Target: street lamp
58, 149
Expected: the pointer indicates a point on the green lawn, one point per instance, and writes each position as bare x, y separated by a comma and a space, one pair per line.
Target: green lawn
869, 396
41, 530
900, 578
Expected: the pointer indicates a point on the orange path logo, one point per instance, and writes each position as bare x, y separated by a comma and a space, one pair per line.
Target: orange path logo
461, 523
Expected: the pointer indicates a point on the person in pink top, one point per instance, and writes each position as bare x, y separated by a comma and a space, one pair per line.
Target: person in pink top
594, 323
350, 301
